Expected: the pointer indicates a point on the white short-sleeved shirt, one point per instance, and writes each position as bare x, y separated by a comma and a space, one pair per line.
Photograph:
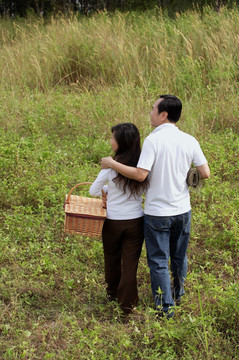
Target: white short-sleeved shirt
168, 154
120, 205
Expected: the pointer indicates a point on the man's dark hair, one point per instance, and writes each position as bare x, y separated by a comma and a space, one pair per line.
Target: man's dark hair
172, 105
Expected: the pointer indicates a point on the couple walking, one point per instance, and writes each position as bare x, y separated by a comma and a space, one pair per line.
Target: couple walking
159, 171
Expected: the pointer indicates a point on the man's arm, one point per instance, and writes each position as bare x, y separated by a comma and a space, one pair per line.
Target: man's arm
204, 171
127, 171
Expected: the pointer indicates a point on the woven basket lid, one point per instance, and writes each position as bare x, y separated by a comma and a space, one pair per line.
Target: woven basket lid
84, 206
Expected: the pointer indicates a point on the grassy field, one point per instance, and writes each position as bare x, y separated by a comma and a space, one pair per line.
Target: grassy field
64, 83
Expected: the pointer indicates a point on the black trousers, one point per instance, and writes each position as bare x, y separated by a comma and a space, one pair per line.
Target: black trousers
122, 242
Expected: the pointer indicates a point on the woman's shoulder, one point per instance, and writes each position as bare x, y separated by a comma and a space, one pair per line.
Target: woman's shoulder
104, 172
107, 172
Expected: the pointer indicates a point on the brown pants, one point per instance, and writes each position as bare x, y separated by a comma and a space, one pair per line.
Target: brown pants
122, 242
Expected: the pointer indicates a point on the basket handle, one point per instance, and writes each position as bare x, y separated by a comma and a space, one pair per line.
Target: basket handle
83, 183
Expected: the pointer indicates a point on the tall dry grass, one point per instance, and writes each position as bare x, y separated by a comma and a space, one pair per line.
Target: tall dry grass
194, 56
126, 47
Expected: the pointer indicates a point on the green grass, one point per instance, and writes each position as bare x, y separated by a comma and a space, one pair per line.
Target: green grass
55, 127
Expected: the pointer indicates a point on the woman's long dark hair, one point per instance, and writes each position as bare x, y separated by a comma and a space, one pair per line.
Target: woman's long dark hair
128, 139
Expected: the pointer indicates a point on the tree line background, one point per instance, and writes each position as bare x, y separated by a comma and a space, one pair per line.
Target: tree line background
45, 7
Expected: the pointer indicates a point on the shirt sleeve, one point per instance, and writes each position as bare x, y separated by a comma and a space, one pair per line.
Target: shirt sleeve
147, 156
100, 181
198, 156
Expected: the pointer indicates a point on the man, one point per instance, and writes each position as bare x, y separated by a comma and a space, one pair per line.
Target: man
166, 156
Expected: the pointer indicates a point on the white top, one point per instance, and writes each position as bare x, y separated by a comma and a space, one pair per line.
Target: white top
168, 154
120, 206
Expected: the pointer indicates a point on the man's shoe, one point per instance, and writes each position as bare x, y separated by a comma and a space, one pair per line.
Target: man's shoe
165, 314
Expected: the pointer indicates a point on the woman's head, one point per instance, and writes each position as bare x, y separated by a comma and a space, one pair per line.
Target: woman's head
125, 143
126, 136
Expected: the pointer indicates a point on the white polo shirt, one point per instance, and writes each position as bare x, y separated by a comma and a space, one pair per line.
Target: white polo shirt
168, 154
120, 205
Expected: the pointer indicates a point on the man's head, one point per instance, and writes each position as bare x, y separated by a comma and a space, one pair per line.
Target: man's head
166, 109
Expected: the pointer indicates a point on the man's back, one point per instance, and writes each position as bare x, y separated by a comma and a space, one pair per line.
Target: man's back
168, 153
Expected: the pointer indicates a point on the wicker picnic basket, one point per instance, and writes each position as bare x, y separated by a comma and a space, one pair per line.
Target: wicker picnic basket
84, 215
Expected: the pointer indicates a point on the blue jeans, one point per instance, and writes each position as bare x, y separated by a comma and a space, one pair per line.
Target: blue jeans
167, 236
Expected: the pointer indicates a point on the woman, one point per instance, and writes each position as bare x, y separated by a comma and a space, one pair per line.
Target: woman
122, 232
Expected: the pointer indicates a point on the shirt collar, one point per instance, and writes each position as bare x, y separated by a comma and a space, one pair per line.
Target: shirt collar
167, 125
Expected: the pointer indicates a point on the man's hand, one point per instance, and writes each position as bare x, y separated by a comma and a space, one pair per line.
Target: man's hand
106, 162
204, 171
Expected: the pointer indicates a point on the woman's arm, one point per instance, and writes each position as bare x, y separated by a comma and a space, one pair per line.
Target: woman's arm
100, 181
